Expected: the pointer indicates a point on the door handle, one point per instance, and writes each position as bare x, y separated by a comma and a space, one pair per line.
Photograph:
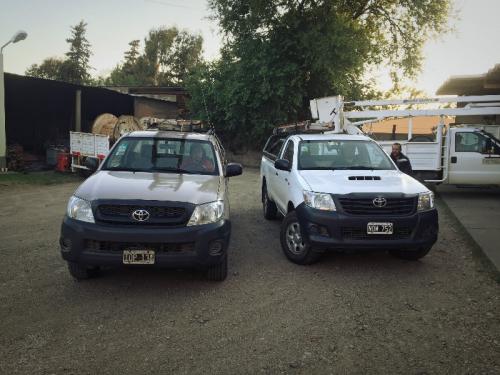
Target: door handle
453, 159
276, 173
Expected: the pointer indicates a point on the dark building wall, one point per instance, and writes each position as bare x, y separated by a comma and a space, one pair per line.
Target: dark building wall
154, 108
40, 112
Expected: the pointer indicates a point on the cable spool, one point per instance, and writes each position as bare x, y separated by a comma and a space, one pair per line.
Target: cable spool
104, 124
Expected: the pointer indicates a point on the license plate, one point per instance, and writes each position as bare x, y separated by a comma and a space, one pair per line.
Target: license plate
138, 257
379, 228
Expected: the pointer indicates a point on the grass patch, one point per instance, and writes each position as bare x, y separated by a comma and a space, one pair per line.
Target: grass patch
37, 178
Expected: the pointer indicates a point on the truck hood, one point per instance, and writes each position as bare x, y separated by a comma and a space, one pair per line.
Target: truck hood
190, 188
338, 182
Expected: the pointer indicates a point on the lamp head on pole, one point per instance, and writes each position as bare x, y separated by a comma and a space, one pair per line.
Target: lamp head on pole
17, 37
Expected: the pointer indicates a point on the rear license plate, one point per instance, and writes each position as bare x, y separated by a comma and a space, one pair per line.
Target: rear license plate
379, 228
138, 257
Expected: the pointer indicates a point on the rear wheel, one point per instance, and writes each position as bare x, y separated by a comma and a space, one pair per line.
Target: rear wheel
81, 272
269, 207
411, 254
218, 272
292, 243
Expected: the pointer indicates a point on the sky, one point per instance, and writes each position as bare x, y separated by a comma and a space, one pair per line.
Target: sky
473, 48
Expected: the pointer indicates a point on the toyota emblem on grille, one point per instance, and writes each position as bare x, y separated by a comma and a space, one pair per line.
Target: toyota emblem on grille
379, 202
140, 215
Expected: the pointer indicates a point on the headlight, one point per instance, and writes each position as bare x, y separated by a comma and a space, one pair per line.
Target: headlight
80, 209
425, 201
207, 213
320, 201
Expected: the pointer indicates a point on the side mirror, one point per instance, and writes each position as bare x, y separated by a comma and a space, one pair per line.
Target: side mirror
233, 169
282, 164
91, 164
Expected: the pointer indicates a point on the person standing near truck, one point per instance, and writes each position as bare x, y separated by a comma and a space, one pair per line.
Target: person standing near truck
401, 159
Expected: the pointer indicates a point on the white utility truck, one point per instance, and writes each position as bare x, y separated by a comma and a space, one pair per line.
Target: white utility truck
463, 154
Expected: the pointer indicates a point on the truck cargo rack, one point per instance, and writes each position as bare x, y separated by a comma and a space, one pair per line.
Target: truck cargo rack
303, 127
177, 125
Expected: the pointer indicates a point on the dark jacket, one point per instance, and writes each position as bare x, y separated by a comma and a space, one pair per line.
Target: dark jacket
403, 163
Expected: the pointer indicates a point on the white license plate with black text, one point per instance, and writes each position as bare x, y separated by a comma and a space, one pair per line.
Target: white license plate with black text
138, 257
379, 228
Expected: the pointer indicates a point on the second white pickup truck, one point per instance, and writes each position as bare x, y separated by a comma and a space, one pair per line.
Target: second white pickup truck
342, 192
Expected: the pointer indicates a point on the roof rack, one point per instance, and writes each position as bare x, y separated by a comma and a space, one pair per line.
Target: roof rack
198, 126
303, 127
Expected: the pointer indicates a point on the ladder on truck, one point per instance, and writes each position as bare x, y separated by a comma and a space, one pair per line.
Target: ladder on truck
332, 110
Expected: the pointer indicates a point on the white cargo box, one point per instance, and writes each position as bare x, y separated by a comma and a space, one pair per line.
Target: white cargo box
84, 145
88, 144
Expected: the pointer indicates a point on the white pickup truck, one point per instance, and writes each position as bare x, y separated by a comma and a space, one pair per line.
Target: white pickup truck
341, 192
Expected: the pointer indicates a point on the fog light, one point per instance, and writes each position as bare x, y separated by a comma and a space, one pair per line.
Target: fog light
216, 248
319, 230
65, 244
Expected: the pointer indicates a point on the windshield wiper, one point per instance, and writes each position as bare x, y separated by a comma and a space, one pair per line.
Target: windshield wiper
354, 167
123, 169
173, 170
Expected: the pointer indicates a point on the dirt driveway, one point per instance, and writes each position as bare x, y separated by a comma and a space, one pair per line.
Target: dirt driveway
350, 313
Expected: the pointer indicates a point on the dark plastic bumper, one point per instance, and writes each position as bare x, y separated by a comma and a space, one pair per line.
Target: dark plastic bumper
75, 237
327, 230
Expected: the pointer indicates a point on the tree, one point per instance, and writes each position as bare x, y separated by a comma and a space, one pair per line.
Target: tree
50, 68
77, 62
168, 58
279, 54
75, 67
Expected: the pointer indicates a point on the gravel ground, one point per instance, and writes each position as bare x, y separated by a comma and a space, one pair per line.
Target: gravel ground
350, 313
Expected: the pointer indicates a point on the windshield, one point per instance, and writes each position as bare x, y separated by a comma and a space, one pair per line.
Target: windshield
162, 155
342, 154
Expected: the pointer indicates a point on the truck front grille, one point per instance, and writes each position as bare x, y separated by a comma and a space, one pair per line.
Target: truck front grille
113, 246
365, 206
357, 233
155, 211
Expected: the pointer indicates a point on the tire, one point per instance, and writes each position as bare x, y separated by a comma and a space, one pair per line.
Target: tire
81, 272
218, 272
295, 249
411, 254
268, 206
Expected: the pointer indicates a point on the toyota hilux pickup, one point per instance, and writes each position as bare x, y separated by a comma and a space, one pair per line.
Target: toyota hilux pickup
159, 199
343, 192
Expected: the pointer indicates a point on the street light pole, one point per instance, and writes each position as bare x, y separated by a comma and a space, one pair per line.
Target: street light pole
20, 35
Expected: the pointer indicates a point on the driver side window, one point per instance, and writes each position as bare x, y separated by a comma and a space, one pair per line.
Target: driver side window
470, 142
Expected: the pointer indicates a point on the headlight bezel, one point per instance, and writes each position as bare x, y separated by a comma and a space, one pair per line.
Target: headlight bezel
80, 209
207, 213
425, 201
319, 201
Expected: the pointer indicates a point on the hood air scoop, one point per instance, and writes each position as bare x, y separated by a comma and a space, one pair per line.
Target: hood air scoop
364, 178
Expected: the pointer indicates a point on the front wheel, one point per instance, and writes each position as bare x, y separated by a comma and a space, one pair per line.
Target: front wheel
218, 272
411, 254
295, 248
81, 272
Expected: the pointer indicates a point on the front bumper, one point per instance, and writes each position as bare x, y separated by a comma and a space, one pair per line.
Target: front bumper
337, 230
103, 245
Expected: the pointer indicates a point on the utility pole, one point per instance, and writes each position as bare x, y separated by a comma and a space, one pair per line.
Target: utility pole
20, 35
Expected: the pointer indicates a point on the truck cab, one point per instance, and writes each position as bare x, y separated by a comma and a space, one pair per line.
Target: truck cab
343, 192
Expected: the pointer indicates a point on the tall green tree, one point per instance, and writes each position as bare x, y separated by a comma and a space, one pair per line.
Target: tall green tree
279, 54
75, 67
168, 58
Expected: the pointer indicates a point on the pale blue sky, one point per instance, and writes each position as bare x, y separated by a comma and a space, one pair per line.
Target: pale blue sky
472, 49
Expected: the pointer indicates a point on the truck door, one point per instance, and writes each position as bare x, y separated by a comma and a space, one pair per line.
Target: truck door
281, 182
474, 158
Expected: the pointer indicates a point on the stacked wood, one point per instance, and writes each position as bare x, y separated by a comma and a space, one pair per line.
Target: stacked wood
15, 158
